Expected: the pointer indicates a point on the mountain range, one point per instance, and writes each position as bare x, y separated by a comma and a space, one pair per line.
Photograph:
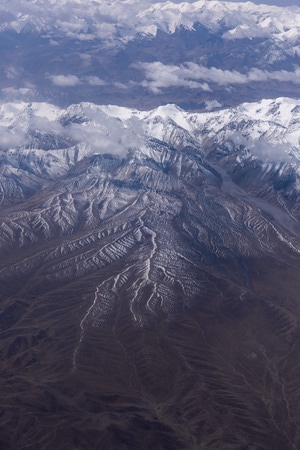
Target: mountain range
149, 225
143, 55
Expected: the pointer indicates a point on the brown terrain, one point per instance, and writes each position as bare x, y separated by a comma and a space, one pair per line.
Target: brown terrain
148, 316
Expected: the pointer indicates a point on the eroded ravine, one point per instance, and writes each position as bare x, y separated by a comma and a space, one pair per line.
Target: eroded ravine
146, 302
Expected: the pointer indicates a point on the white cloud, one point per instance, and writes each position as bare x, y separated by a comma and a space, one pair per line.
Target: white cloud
11, 138
11, 72
73, 80
100, 133
65, 80
128, 85
112, 20
95, 81
277, 75
110, 137
44, 125
270, 151
159, 76
212, 104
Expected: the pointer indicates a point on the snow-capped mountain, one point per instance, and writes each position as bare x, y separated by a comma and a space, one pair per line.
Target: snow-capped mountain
150, 241
149, 225
106, 19
41, 142
112, 52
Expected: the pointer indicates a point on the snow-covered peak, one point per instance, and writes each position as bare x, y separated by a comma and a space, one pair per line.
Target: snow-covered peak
111, 19
115, 129
41, 142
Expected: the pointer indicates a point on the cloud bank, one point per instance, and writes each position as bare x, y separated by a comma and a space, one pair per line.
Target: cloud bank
159, 76
65, 80
189, 75
112, 20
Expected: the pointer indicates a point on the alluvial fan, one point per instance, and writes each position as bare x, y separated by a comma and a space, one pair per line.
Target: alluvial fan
148, 299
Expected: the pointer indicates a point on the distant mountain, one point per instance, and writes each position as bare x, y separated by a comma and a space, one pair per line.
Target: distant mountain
86, 19
142, 55
149, 225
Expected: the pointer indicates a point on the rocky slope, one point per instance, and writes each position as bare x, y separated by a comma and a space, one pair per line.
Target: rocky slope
149, 277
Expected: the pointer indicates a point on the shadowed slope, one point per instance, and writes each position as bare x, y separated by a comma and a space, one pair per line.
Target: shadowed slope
147, 303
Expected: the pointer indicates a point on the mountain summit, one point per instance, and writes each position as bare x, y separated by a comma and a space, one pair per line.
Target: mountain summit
150, 265
142, 54
149, 225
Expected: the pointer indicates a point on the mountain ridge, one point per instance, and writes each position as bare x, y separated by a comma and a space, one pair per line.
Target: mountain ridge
259, 20
149, 225
57, 138
138, 284
143, 55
